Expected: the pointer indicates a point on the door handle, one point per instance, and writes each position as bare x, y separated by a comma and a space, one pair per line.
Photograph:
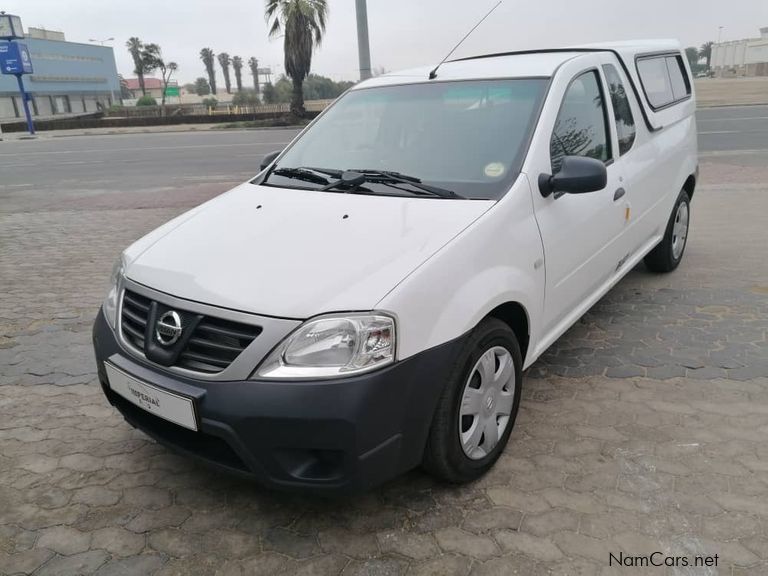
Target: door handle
618, 194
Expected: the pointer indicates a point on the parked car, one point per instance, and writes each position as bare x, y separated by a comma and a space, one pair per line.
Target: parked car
370, 301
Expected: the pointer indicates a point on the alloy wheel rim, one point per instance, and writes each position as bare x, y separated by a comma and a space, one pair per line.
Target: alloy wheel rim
680, 230
486, 402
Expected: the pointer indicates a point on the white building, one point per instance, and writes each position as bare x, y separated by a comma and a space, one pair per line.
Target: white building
747, 57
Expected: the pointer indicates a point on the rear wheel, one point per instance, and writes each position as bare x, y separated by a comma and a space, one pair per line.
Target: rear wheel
666, 256
477, 410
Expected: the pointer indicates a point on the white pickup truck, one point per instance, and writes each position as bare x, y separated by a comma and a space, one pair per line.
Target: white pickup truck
369, 301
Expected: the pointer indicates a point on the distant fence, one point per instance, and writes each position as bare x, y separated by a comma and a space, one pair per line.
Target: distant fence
220, 109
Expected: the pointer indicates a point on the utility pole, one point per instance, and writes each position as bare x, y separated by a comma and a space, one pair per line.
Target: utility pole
363, 46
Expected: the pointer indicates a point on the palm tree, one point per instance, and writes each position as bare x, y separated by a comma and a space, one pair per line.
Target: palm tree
253, 64
209, 59
706, 52
237, 66
224, 62
136, 49
303, 24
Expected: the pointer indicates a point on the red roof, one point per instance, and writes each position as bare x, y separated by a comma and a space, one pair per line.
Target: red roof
149, 83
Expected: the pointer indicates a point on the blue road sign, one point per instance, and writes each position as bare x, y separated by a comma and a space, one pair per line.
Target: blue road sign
14, 58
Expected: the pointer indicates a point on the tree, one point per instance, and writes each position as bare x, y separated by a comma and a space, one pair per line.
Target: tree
253, 64
209, 60
136, 50
245, 98
224, 62
302, 23
153, 58
706, 52
316, 87
146, 100
692, 54
237, 66
202, 88
270, 94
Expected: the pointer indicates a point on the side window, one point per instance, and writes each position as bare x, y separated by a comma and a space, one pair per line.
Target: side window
622, 111
681, 86
664, 80
581, 126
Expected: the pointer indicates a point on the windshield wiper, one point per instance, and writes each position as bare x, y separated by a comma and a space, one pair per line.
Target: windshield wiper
306, 174
350, 180
386, 176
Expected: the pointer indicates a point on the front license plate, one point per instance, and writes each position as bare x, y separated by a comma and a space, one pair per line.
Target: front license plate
167, 405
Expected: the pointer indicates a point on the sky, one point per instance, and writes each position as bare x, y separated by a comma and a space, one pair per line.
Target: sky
403, 33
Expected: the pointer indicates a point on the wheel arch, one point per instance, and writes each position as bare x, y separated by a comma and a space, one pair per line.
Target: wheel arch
690, 185
514, 315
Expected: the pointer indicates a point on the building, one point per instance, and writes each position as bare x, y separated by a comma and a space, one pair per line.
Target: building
747, 57
153, 86
69, 78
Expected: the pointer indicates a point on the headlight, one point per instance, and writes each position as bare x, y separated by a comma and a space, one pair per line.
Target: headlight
110, 302
332, 346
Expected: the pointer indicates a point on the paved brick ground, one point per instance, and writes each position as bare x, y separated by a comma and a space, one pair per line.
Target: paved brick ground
644, 429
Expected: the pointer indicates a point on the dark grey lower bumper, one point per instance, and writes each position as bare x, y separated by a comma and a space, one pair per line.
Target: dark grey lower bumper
327, 436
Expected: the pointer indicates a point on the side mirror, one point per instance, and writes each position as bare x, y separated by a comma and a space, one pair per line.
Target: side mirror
269, 158
577, 175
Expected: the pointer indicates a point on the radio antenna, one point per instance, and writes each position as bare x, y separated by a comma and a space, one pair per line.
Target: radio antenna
433, 73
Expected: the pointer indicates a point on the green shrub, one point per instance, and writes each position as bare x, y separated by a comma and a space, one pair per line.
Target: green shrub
210, 102
245, 98
146, 100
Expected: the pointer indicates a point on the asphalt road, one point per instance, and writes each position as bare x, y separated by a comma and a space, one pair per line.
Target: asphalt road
49, 170
733, 128
32, 171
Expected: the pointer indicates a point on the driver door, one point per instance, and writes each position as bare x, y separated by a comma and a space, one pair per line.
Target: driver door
580, 232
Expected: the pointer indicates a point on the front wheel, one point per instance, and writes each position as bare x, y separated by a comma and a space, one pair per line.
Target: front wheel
477, 410
668, 253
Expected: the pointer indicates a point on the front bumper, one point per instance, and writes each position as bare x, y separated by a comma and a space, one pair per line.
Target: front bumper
341, 435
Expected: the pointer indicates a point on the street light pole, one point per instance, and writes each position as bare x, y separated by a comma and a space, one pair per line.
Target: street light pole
102, 42
363, 46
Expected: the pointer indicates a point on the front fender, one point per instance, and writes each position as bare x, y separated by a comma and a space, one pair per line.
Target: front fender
498, 259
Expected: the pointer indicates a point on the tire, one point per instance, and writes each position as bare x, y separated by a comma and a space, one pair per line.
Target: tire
668, 253
445, 456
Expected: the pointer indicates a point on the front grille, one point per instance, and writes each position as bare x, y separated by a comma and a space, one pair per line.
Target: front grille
134, 318
213, 345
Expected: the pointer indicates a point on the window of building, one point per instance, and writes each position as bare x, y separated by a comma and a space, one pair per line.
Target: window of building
622, 111
664, 80
61, 105
581, 126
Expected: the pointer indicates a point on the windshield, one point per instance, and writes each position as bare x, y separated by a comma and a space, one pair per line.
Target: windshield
467, 137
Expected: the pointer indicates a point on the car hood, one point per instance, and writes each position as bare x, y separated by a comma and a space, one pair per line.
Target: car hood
296, 253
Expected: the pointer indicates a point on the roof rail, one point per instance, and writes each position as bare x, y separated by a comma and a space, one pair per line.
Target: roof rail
539, 51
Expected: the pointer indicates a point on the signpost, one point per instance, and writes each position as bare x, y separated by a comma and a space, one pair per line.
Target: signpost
15, 59
172, 91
